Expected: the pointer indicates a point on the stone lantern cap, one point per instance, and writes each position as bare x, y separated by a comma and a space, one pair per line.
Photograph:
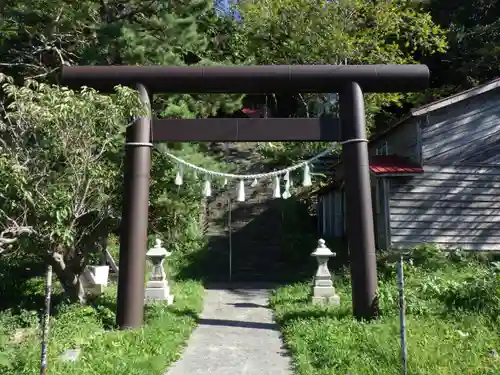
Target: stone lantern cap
157, 251
322, 250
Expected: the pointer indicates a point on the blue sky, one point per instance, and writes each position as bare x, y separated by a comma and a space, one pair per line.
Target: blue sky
223, 6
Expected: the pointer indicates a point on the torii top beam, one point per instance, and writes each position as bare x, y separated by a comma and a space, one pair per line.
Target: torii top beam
250, 79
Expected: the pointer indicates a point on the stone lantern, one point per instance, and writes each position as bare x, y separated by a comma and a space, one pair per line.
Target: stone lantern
157, 287
322, 289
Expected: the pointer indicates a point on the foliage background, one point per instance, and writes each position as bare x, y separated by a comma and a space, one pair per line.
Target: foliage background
61, 151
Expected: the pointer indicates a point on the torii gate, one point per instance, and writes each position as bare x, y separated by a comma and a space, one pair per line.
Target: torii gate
350, 81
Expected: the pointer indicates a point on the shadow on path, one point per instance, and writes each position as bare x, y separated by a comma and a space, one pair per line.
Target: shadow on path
237, 323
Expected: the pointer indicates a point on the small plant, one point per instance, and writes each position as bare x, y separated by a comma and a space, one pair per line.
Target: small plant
495, 266
387, 294
457, 255
480, 293
104, 350
428, 256
446, 293
386, 266
434, 286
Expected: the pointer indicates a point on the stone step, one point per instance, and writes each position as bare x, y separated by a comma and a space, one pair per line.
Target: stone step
272, 233
256, 224
256, 210
249, 214
256, 266
250, 202
246, 265
242, 246
262, 222
253, 236
247, 255
223, 220
252, 228
253, 268
271, 239
263, 238
251, 196
249, 230
252, 255
256, 220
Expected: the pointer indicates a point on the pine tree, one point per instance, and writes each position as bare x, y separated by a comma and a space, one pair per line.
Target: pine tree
37, 37
40, 36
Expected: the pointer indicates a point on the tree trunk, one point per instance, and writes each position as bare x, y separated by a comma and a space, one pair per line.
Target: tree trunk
69, 280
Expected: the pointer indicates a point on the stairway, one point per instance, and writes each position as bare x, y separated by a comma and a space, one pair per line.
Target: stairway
257, 233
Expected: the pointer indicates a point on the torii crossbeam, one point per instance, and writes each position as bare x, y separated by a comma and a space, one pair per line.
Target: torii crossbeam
350, 81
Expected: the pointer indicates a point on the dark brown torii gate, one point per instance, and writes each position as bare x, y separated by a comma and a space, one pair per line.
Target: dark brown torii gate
350, 81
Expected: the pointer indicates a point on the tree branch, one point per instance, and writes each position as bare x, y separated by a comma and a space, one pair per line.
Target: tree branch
13, 233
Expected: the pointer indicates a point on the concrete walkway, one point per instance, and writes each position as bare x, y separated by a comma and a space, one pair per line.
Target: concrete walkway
236, 335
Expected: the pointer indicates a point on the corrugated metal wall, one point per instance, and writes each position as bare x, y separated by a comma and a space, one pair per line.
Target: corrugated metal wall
456, 207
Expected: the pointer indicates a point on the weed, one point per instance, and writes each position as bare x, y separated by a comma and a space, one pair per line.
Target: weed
452, 305
104, 350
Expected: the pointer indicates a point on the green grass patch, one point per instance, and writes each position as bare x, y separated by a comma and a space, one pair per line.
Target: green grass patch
104, 351
453, 323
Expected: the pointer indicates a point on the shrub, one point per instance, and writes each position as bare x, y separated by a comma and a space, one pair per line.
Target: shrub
428, 257
480, 293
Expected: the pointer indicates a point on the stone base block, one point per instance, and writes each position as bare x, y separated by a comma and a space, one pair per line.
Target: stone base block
158, 284
159, 294
100, 274
323, 291
333, 300
322, 284
95, 290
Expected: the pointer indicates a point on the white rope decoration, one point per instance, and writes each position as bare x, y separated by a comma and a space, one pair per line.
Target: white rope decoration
262, 175
207, 191
145, 144
248, 176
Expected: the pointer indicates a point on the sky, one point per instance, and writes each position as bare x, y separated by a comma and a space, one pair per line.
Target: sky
224, 8
222, 5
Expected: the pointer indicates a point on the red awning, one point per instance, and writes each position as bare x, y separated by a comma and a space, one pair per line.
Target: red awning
393, 164
253, 113
380, 165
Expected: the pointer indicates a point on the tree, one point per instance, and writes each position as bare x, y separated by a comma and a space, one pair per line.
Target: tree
335, 32
474, 40
40, 36
61, 156
60, 180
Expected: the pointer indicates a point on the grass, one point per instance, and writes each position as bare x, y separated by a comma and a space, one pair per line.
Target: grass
104, 350
446, 296
453, 308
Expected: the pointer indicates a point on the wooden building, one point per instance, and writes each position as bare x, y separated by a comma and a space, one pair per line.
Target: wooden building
435, 177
